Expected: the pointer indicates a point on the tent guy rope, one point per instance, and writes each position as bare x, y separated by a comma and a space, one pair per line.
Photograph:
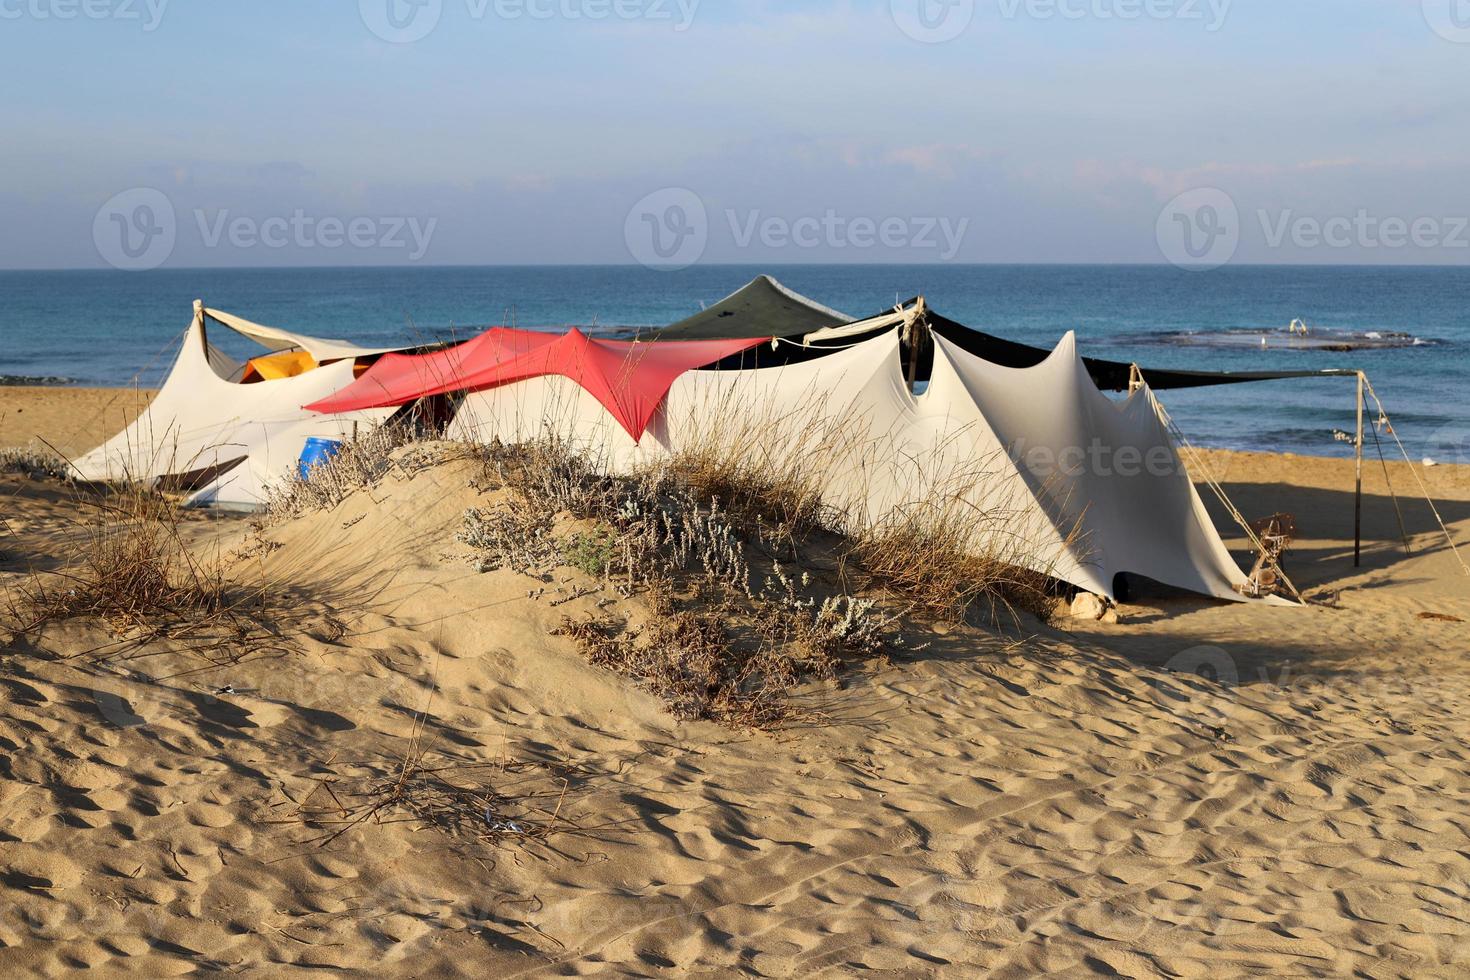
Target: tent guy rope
1199, 465
1414, 469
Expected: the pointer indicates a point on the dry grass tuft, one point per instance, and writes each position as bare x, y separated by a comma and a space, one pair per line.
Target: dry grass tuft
127, 561
769, 468
493, 803
127, 564
956, 541
784, 502
950, 557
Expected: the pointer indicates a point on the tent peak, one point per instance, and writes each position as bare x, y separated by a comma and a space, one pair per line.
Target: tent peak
761, 308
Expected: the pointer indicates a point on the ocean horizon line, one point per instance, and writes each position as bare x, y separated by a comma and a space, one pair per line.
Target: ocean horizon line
404, 267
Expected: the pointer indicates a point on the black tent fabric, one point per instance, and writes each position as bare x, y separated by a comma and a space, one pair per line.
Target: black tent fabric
1107, 375
761, 308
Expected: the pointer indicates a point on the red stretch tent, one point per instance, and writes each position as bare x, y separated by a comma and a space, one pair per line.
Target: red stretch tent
630, 379
396, 379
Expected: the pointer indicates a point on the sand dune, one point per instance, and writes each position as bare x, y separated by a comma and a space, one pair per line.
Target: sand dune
1069, 801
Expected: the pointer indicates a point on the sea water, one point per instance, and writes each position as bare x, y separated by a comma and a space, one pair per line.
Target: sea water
114, 328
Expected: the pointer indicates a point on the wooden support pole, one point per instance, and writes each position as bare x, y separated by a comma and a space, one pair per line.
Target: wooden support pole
203, 329
917, 336
1358, 494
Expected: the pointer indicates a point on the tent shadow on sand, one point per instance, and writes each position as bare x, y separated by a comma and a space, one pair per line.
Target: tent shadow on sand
1323, 552
1356, 607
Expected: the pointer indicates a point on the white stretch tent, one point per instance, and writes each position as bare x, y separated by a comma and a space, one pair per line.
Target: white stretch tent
1088, 486
203, 419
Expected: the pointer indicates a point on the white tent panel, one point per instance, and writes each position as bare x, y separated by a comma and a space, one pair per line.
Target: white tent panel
276, 339
272, 454
1109, 468
552, 405
201, 420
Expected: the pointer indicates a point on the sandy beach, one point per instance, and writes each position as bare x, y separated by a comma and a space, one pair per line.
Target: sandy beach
69, 420
1200, 789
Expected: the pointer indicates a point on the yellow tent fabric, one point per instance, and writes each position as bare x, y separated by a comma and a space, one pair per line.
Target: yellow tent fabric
273, 367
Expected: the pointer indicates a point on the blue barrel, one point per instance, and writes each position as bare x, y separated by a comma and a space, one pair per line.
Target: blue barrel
315, 452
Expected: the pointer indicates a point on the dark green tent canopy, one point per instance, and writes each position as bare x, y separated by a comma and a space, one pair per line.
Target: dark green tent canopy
763, 308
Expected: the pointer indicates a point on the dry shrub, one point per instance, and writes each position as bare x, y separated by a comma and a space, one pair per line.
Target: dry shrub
721, 646
654, 525
33, 462
693, 662
515, 538
827, 633
715, 647
735, 661
669, 530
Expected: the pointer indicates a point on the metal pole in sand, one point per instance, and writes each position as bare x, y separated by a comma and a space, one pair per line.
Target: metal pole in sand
1358, 495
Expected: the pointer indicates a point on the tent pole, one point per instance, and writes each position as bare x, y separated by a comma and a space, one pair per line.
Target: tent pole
203, 327
916, 335
1358, 494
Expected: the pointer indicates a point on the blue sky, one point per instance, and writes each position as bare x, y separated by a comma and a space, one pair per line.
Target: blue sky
1037, 134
